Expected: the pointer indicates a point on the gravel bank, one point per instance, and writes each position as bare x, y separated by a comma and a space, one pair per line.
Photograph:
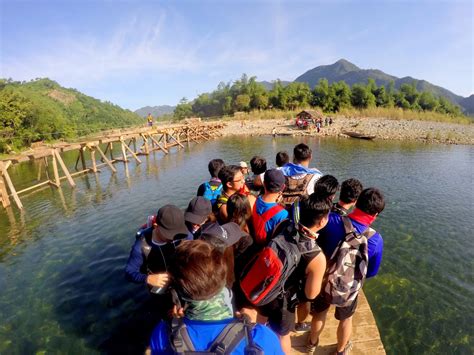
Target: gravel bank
382, 128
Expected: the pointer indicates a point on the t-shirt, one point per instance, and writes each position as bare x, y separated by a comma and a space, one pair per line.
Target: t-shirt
270, 225
203, 333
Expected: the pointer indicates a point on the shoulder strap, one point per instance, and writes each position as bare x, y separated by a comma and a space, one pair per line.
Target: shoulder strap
272, 211
349, 228
179, 337
145, 246
232, 334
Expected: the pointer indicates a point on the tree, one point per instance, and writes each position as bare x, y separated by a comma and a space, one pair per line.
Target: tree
341, 93
242, 102
323, 96
362, 97
183, 109
427, 101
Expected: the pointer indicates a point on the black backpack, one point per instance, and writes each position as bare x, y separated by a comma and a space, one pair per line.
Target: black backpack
227, 340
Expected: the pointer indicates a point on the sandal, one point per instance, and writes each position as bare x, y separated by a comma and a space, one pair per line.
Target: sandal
347, 349
310, 347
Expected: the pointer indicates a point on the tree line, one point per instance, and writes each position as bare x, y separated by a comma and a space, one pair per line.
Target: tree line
43, 110
246, 94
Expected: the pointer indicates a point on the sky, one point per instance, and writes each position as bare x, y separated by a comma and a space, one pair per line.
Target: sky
149, 53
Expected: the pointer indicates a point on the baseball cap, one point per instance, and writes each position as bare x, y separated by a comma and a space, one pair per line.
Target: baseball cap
229, 233
198, 210
274, 180
170, 219
243, 164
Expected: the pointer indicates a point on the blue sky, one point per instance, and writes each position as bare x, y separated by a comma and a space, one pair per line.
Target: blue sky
139, 53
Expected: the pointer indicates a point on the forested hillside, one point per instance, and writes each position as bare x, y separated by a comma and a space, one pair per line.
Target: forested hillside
247, 94
43, 110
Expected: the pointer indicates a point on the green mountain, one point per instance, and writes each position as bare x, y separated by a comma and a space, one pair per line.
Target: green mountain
468, 104
344, 70
43, 110
156, 111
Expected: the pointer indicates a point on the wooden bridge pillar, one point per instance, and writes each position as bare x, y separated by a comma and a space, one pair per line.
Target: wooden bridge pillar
6, 178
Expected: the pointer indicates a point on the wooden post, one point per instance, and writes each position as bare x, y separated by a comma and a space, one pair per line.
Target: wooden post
3, 192
3, 169
172, 137
111, 150
57, 182
46, 168
83, 159
40, 164
63, 166
124, 155
135, 144
145, 144
109, 163
94, 164
165, 140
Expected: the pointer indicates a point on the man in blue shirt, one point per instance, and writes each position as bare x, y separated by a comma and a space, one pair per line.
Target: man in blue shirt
370, 203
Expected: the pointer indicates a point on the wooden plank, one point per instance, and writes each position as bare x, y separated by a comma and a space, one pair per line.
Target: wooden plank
4, 193
131, 152
145, 143
177, 141
109, 163
35, 186
6, 176
57, 182
83, 159
65, 170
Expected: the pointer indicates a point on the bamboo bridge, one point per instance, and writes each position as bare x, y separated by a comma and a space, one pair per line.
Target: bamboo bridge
132, 143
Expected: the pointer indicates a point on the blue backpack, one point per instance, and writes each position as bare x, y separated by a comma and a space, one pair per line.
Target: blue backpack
212, 193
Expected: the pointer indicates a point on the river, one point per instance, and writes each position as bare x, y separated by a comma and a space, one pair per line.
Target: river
61, 261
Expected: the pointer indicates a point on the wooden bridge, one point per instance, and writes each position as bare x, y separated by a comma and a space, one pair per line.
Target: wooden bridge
132, 143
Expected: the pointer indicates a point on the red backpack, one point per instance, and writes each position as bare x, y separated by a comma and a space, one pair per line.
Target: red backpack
259, 221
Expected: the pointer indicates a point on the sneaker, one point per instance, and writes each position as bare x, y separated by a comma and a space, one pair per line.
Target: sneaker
346, 350
310, 347
302, 327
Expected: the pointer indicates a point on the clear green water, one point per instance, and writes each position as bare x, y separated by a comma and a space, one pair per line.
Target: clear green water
61, 261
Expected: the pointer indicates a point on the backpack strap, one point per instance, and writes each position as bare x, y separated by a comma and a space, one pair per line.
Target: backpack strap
231, 336
145, 245
179, 337
349, 228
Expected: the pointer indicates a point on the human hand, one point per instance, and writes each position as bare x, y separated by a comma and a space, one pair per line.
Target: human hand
250, 313
158, 280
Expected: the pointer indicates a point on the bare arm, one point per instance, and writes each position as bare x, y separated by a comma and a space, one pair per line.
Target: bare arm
223, 216
314, 276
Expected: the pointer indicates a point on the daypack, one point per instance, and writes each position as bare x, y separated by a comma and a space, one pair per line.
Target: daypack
211, 193
294, 188
259, 221
347, 267
263, 278
228, 339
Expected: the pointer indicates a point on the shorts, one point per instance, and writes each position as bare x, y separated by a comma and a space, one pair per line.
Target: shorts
319, 305
281, 314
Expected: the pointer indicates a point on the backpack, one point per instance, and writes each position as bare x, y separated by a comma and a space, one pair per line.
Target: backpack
294, 188
263, 278
227, 340
259, 221
211, 193
347, 266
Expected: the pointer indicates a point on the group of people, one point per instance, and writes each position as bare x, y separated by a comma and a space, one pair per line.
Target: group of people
254, 253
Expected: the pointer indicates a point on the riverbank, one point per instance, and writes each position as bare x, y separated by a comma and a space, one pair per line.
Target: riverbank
382, 128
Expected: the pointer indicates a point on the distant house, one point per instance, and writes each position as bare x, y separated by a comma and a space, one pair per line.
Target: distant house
309, 115
306, 118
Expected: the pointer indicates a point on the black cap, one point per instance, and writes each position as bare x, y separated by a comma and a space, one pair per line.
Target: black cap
274, 180
198, 210
229, 233
170, 219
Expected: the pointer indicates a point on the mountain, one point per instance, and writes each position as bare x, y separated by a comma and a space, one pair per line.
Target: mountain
468, 104
269, 84
156, 111
352, 74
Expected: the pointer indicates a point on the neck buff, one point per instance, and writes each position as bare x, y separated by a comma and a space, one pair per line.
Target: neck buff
215, 308
362, 217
